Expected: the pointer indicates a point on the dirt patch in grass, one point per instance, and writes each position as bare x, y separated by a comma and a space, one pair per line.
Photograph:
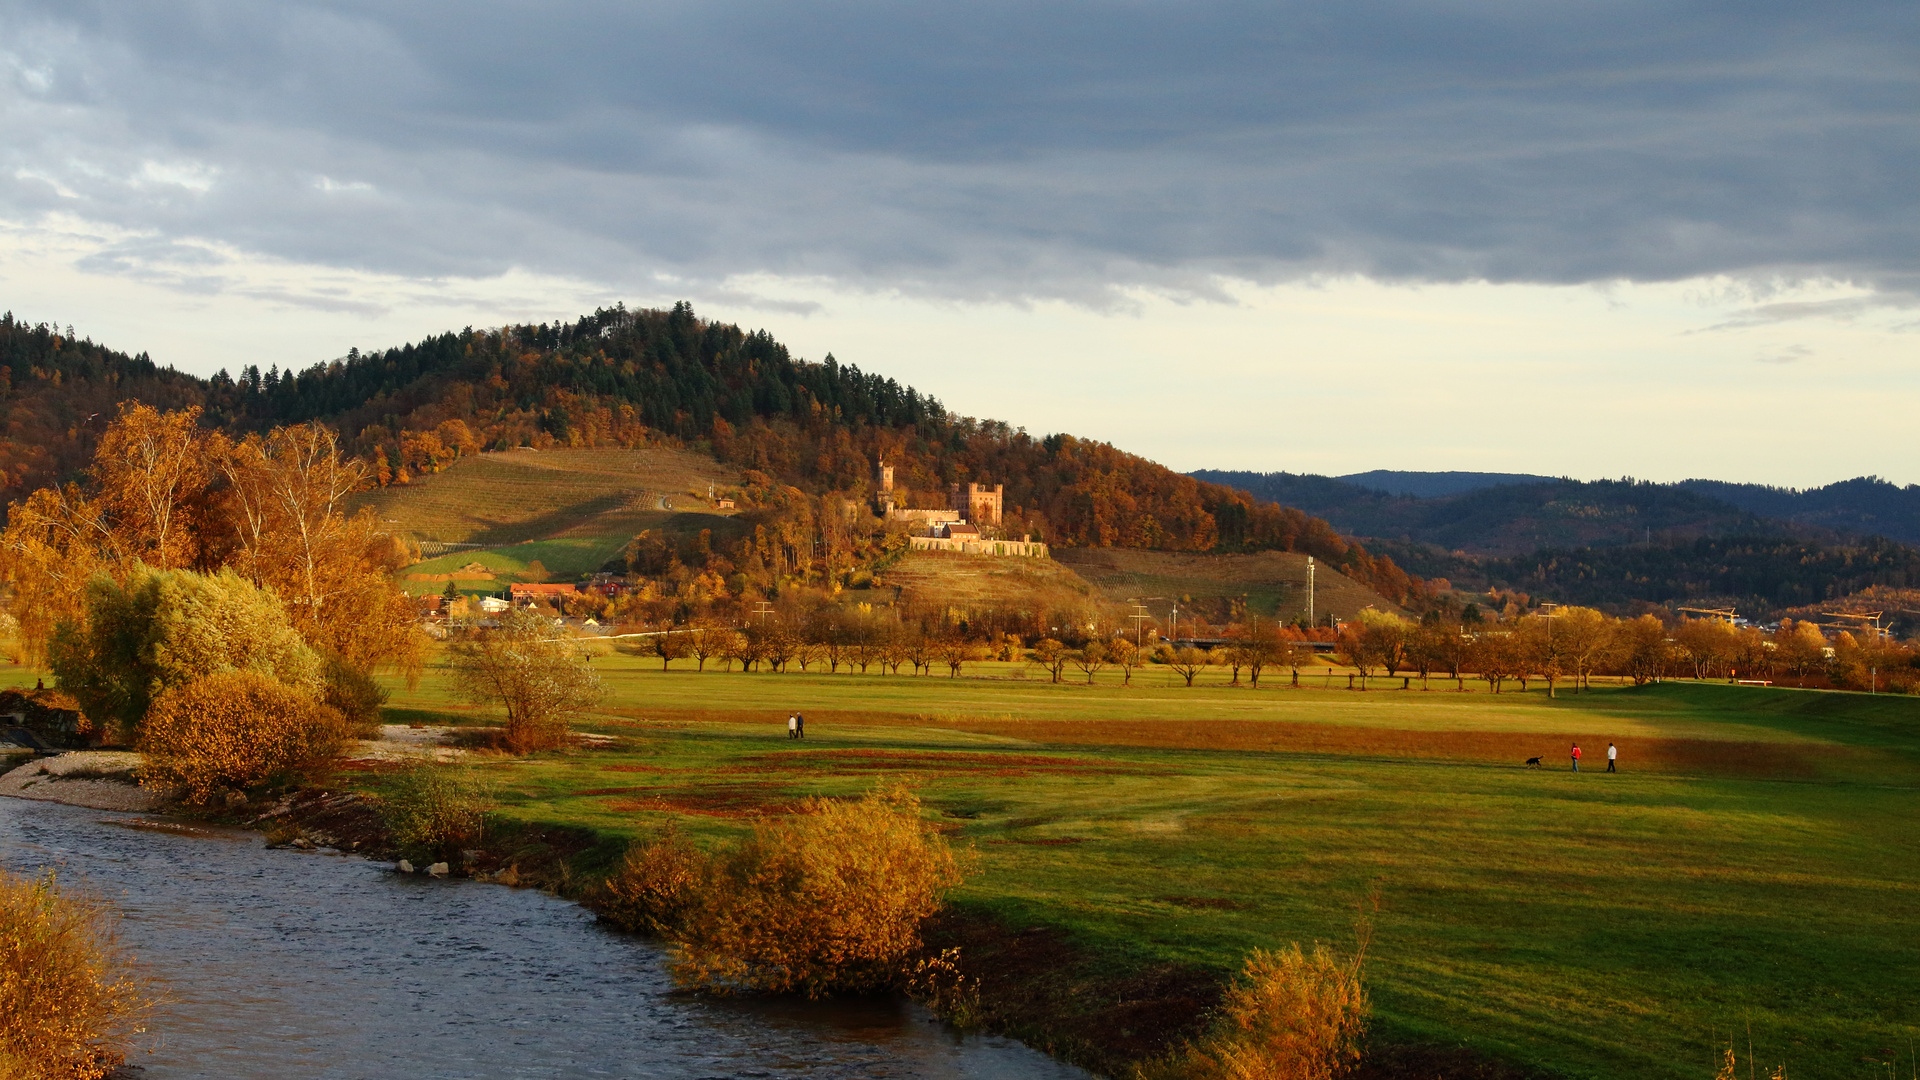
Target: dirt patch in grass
1204, 903
1699, 756
951, 763
710, 800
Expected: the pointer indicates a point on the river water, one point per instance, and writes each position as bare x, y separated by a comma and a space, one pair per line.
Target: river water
287, 965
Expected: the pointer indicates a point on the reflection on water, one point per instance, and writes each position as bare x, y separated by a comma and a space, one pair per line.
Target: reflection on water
285, 965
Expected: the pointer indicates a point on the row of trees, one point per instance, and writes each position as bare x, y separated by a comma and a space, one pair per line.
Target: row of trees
1568, 644
1575, 643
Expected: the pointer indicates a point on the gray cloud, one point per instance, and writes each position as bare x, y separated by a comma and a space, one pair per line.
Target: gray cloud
982, 150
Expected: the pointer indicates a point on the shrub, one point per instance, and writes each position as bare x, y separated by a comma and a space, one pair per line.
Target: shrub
435, 810
167, 628
235, 731
828, 900
656, 885
68, 1001
353, 694
1292, 1016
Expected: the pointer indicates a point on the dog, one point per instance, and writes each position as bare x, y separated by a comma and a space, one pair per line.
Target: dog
1533, 763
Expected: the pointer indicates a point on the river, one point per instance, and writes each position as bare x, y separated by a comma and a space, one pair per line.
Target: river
287, 965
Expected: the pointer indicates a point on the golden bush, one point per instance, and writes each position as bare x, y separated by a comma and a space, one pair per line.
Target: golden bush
828, 900
656, 885
1293, 1015
234, 731
68, 1001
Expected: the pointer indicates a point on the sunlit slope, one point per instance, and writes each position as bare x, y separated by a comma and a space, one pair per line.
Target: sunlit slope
517, 495
1272, 582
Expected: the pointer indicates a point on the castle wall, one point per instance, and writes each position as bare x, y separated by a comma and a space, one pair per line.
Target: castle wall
1032, 549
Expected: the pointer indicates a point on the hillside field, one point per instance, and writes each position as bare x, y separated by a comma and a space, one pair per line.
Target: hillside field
1751, 864
568, 510
1272, 583
935, 578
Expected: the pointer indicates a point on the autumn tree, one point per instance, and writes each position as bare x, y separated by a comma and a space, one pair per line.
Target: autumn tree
1705, 643
671, 645
151, 471
539, 677
1126, 656
1091, 658
1642, 648
287, 492
56, 541
1586, 637
1053, 655
1800, 647
1189, 662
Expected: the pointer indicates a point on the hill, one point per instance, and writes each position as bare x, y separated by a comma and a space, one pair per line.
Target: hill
670, 380
1428, 485
1863, 506
1508, 519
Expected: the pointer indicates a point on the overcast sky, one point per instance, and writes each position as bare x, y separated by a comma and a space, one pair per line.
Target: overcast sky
1587, 238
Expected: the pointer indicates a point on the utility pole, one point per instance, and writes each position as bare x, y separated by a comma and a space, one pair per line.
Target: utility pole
1551, 658
1140, 619
1309, 590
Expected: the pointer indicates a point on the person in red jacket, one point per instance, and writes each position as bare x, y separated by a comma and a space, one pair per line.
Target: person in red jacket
1576, 757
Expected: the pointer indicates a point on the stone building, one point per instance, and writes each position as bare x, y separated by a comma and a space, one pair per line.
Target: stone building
976, 502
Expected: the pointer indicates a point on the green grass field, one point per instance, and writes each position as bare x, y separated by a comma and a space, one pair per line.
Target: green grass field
1752, 864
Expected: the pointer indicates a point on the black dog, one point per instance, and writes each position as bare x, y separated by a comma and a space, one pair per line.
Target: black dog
1533, 763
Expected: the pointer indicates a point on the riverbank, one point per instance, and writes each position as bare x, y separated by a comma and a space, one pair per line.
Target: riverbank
95, 779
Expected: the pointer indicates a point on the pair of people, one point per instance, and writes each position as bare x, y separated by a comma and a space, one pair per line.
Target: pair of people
1613, 754
796, 726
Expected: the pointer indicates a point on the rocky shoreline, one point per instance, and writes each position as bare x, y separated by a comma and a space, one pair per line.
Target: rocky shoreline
95, 779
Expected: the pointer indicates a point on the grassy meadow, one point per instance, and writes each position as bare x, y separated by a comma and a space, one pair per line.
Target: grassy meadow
1751, 864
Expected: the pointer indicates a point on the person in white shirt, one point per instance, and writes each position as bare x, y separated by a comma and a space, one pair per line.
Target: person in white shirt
1612, 753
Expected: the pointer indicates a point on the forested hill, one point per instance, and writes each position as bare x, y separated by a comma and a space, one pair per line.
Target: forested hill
1864, 506
628, 378
1508, 519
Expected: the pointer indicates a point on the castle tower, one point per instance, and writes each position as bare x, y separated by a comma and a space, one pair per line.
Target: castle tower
883, 477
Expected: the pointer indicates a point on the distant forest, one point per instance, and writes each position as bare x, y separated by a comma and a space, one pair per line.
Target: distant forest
1624, 544
631, 378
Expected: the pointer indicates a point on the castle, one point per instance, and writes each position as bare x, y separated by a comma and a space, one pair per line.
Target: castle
972, 510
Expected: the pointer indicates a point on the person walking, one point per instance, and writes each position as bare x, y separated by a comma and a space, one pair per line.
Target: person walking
1576, 757
799, 725
793, 725
1613, 752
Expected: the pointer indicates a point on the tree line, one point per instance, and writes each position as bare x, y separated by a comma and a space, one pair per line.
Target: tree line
1564, 646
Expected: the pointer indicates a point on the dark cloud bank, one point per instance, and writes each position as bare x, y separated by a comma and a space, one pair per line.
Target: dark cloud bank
982, 149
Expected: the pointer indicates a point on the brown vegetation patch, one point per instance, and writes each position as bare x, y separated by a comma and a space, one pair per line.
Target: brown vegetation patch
1037, 986
338, 819
712, 800
938, 762
1712, 756
639, 769
1208, 903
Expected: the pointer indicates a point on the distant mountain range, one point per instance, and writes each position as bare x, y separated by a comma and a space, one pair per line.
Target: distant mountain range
1512, 513
1623, 544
